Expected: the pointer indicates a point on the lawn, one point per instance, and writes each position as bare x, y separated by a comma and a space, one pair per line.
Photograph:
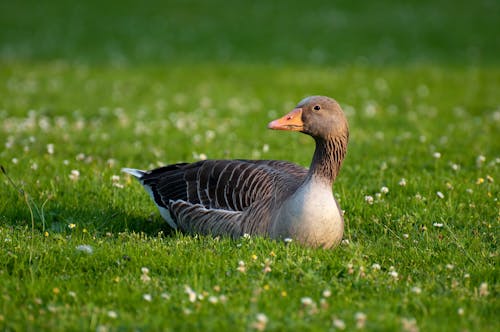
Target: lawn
87, 89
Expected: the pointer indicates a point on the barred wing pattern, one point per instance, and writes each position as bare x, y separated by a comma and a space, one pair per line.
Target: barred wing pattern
224, 196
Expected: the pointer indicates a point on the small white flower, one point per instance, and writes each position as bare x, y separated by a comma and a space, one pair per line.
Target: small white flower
144, 270
483, 289
261, 322
369, 199
241, 267
440, 194
288, 240
306, 301
112, 314
402, 182
450, 266
416, 290
339, 324
437, 224
480, 160
74, 175
191, 294
436, 155
165, 296
384, 190
393, 274
376, 266
85, 248
460, 311
147, 297
327, 293
50, 148
360, 320
406, 236
265, 148
115, 178
213, 299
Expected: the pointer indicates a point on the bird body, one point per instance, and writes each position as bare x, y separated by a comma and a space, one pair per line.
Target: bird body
260, 197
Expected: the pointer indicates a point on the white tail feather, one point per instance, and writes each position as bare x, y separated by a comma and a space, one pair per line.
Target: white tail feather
137, 173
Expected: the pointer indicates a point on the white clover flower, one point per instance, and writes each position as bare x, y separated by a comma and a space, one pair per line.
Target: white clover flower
147, 297
241, 267
339, 324
402, 182
437, 224
436, 155
376, 266
261, 322
480, 160
384, 190
191, 294
306, 301
74, 175
440, 194
50, 148
327, 293
483, 289
112, 314
369, 199
416, 290
85, 248
360, 318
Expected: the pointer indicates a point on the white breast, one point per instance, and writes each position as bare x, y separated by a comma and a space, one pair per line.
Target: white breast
311, 215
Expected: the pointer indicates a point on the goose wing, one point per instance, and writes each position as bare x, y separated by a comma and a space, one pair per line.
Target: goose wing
231, 185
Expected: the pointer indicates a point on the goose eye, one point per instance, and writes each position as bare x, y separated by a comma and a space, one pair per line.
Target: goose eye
317, 108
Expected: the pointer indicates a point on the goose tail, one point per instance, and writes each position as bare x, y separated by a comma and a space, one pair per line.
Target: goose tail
137, 173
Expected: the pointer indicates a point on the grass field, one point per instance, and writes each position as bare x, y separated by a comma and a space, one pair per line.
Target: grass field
90, 88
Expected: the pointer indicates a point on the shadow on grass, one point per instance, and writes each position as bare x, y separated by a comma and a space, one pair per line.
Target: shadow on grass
97, 220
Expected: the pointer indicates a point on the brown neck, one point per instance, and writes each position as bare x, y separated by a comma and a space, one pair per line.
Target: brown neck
328, 158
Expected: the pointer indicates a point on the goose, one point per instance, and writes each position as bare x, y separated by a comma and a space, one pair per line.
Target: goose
269, 198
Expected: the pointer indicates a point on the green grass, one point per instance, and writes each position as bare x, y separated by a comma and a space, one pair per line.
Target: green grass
96, 87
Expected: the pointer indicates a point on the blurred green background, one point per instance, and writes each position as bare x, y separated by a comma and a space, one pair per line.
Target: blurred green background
315, 32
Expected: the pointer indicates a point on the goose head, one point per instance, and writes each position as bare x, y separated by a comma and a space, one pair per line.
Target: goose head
318, 116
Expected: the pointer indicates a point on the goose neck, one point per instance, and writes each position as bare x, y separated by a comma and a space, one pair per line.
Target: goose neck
328, 158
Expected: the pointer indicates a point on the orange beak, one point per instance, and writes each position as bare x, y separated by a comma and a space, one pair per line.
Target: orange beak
292, 121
